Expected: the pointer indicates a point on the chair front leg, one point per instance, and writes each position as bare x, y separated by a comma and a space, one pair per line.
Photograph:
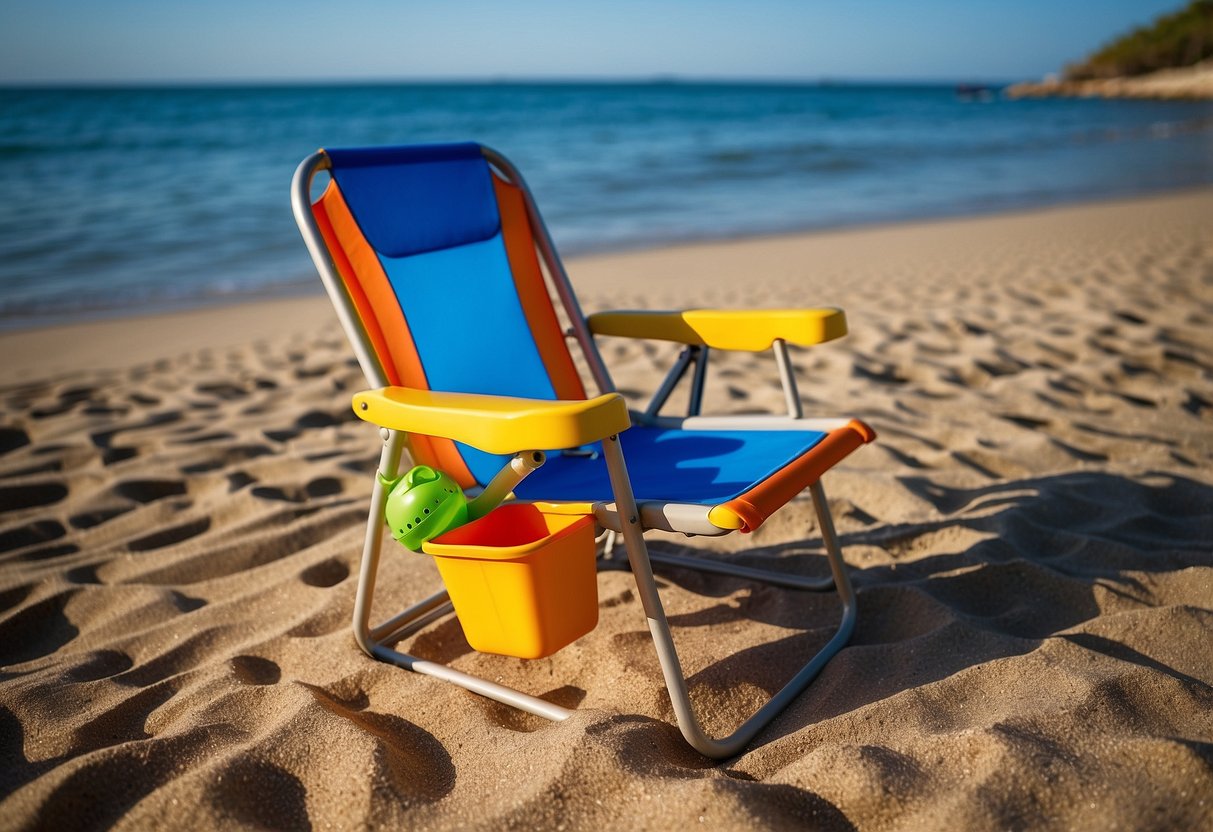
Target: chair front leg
389, 464
663, 640
373, 641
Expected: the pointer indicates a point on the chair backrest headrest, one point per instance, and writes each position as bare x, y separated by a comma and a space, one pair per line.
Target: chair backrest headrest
411, 200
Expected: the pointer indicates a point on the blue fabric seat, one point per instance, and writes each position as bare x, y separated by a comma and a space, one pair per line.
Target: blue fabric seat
670, 465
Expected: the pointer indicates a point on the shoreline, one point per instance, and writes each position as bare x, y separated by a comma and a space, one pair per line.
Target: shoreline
305, 288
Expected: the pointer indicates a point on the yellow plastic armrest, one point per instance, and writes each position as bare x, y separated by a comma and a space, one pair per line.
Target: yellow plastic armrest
751, 330
497, 424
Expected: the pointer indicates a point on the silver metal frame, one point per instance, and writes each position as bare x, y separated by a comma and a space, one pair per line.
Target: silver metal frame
699, 355
624, 516
669, 383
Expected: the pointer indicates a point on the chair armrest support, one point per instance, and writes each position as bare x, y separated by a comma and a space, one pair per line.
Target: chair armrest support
497, 424
749, 330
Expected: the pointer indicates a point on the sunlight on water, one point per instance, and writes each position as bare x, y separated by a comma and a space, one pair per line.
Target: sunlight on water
145, 198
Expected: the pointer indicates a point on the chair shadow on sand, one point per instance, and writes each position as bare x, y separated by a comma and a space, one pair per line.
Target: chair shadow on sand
1045, 549
1051, 550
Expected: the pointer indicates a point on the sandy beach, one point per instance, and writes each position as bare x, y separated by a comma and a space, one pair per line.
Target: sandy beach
183, 498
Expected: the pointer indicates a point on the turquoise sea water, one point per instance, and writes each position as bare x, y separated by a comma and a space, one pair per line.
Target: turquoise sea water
119, 200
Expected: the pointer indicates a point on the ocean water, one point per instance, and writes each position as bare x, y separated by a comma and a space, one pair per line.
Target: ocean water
121, 200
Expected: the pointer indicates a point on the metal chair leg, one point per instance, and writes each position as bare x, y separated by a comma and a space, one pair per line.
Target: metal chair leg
663, 640
389, 462
373, 640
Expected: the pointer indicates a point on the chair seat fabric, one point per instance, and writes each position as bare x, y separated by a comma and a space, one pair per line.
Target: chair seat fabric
669, 465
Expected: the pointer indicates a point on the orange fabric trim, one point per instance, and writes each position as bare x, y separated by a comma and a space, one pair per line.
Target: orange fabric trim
320, 210
372, 293
380, 312
764, 499
533, 292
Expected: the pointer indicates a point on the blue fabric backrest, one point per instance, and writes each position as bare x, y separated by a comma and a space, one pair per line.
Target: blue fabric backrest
410, 200
430, 213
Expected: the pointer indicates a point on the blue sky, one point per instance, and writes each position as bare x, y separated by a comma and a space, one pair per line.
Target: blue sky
229, 40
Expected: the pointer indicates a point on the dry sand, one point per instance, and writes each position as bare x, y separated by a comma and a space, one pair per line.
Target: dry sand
181, 517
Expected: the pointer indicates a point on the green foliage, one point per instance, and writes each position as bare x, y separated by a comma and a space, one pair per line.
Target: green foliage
1180, 39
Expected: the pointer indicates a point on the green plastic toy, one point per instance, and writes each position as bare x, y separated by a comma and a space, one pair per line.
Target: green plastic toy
426, 502
423, 504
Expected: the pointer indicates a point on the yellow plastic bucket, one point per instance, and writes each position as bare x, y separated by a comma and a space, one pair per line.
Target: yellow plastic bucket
523, 583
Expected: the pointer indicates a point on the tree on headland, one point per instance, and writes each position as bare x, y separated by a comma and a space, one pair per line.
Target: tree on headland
1175, 40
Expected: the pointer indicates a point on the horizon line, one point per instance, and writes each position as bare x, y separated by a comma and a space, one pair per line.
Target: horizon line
660, 79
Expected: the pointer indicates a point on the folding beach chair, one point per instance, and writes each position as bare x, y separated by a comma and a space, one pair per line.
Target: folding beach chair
439, 267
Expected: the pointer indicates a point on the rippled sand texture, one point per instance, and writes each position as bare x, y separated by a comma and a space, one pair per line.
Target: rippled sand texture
1031, 539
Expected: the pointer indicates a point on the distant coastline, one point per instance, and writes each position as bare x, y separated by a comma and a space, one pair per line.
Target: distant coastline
1193, 83
1171, 58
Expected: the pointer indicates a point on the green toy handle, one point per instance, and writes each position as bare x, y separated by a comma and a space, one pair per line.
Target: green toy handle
505, 481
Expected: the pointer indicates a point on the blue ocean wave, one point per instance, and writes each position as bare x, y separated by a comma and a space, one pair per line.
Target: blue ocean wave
125, 199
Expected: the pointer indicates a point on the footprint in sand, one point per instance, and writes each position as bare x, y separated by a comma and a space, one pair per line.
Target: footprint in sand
34, 495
